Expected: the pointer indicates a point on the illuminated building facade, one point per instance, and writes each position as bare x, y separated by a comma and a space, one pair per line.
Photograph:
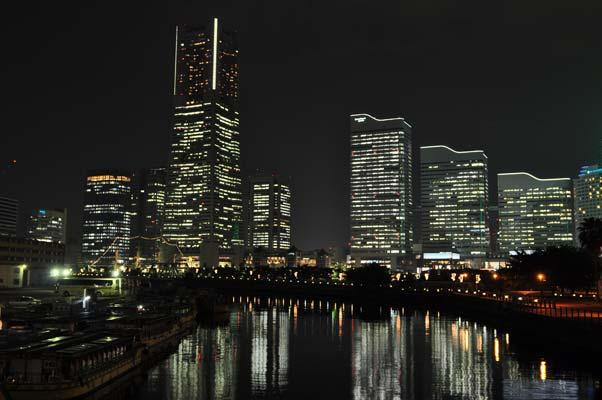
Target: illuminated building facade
203, 208
46, 225
588, 193
381, 190
148, 201
106, 217
454, 201
534, 213
9, 211
270, 217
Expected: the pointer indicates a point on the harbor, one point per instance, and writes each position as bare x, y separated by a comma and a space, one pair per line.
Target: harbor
64, 347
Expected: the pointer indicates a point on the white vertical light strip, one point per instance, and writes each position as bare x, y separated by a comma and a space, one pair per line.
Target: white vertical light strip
175, 64
214, 54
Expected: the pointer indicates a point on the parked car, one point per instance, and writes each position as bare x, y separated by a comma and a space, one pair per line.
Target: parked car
24, 301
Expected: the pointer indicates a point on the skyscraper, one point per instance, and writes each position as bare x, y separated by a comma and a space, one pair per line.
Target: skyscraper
47, 225
9, 211
270, 216
106, 217
454, 201
148, 201
381, 190
588, 193
534, 213
203, 209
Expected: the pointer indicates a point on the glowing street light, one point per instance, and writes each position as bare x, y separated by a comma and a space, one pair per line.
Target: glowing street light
541, 277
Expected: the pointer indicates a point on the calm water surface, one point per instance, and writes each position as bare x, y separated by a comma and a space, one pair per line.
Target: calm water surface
304, 349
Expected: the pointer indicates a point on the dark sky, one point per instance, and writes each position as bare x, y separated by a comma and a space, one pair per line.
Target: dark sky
90, 87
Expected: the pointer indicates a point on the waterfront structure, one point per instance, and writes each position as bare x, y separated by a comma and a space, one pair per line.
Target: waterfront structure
381, 190
106, 217
203, 208
146, 214
9, 212
588, 193
454, 194
270, 212
534, 213
47, 225
28, 261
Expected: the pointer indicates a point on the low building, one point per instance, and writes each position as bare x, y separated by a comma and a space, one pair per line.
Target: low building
27, 262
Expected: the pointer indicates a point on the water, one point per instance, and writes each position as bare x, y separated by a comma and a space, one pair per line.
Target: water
304, 349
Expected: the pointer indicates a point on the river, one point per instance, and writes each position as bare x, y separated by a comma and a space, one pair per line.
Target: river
310, 349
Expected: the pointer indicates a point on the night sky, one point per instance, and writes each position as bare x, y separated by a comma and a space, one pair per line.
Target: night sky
90, 87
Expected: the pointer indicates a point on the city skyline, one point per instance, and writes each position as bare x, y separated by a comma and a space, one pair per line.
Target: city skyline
477, 125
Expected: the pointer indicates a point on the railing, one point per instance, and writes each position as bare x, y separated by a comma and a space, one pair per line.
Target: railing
541, 307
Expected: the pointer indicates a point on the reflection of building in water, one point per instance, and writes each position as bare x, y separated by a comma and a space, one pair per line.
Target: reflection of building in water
205, 366
218, 353
375, 358
269, 351
427, 356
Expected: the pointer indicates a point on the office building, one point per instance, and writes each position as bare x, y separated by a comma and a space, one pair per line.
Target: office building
203, 208
588, 193
381, 190
106, 217
9, 213
534, 213
454, 201
47, 225
146, 214
28, 262
270, 213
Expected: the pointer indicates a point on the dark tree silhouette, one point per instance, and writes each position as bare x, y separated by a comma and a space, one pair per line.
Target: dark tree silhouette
590, 237
563, 267
372, 274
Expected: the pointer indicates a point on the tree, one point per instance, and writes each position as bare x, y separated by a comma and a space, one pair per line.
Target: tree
564, 267
372, 274
590, 237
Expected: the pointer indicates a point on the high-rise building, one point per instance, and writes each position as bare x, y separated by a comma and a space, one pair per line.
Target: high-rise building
588, 193
146, 214
270, 212
534, 213
106, 217
9, 212
203, 208
381, 190
454, 201
47, 225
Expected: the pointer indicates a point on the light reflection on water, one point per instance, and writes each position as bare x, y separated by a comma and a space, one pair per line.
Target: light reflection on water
299, 349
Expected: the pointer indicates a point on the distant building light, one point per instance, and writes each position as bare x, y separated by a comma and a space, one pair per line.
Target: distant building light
442, 255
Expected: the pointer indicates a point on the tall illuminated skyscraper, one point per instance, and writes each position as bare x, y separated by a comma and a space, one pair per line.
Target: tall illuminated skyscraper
454, 201
381, 190
588, 193
148, 202
534, 213
270, 216
203, 209
106, 217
